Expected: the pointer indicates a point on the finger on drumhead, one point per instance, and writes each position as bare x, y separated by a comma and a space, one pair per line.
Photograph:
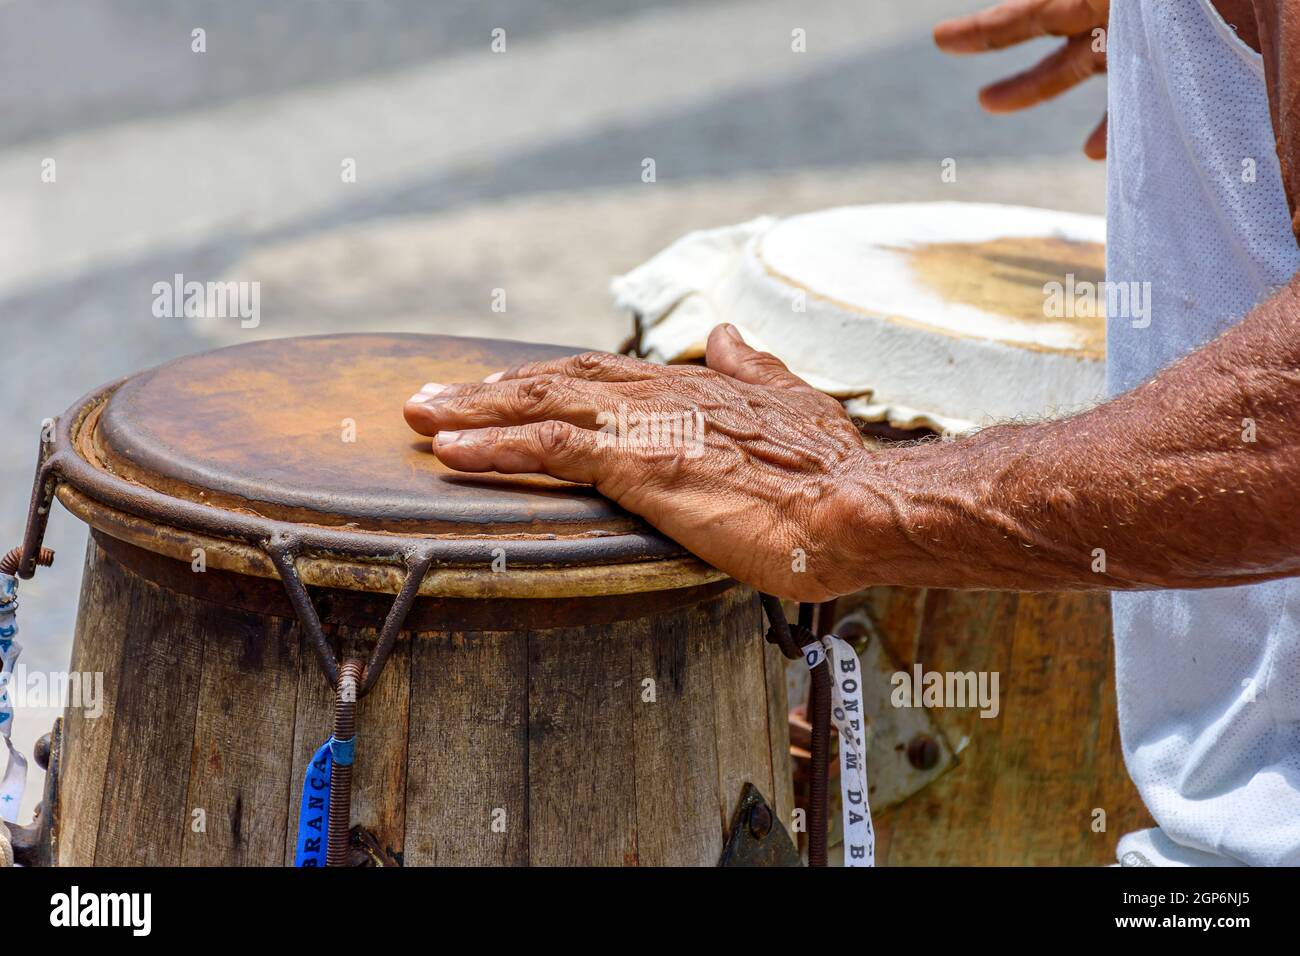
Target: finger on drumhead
589, 366
1067, 67
553, 448
487, 404
727, 353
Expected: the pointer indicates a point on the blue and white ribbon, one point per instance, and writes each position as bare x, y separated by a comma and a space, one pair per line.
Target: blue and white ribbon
314, 810
847, 713
14, 780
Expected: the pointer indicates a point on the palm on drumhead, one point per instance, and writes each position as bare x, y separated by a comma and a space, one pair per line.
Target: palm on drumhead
1081, 22
743, 450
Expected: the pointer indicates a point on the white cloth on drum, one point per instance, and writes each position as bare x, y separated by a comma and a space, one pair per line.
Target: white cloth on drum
681, 286
838, 295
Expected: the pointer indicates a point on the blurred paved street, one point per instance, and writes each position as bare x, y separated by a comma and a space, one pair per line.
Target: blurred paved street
475, 170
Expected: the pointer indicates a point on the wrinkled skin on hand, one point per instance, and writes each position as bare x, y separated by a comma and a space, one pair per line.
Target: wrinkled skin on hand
764, 496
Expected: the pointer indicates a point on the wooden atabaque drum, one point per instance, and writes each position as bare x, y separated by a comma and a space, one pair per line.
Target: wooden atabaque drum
567, 687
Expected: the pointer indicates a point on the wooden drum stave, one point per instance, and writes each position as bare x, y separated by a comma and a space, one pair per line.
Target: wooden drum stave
1023, 788
566, 688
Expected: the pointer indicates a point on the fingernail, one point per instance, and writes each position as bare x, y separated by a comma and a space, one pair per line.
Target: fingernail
443, 439
731, 332
425, 393
494, 377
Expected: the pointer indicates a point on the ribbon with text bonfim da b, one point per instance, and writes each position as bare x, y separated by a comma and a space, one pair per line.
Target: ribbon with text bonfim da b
14, 780
314, 811
847, 713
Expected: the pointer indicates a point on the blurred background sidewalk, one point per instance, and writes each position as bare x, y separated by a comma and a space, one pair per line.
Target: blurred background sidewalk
475, 170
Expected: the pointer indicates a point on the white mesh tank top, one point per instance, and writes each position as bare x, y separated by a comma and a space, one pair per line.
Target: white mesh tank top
1208, 681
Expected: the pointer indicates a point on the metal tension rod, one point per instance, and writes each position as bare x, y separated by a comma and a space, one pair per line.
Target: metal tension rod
791, 640
351, 681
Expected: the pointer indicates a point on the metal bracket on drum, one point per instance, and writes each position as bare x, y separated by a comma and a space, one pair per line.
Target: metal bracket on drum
353, 679
284, 550
757, 837
790, 639
25, 558
907, 749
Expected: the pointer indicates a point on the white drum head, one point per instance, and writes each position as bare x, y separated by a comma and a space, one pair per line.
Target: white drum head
943, 315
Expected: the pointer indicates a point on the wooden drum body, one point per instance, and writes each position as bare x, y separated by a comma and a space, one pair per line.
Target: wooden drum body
566, 687
540, 731
1043, 782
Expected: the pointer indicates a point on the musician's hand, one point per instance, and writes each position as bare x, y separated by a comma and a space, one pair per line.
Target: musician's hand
1081, 22
744, 464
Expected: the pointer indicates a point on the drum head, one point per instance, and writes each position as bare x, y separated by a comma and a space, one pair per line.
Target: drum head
311, 430
953, 269
947, 316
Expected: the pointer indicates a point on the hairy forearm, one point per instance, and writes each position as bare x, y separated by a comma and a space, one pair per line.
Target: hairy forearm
1190, 480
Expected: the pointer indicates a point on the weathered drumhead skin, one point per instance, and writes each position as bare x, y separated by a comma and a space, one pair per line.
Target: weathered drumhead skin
261, 427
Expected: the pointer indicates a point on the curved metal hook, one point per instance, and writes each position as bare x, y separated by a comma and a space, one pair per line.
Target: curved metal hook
44, 485
284, 551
